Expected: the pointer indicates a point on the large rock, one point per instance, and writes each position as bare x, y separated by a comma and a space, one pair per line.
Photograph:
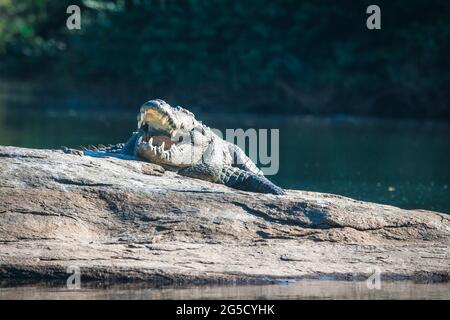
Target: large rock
130, 220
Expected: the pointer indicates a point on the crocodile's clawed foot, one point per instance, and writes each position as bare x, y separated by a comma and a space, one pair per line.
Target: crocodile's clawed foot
72, 151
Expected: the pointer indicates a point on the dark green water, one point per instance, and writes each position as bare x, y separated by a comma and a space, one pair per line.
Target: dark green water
402, 163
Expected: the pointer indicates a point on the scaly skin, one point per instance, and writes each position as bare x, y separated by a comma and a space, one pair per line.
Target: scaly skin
173, 138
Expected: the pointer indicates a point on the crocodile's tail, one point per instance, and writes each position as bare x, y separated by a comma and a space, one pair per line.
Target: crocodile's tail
118, 150
95, 151
111, 148
244, 180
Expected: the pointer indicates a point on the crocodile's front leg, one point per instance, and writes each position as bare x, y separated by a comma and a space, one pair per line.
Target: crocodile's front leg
248, 181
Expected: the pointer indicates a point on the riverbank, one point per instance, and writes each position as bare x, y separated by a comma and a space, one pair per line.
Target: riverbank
122, 221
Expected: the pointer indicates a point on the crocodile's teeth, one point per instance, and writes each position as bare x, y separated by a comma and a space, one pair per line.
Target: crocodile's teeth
162, 145
150, 142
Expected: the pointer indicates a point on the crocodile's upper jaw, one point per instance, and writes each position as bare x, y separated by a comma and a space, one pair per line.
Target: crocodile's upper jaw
159, 115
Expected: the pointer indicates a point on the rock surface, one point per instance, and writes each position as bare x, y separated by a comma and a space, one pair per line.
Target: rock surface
124, 220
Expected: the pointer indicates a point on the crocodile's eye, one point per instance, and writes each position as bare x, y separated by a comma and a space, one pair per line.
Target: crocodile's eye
180, 139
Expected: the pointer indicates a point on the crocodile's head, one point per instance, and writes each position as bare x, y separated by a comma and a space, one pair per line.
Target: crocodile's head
169, 136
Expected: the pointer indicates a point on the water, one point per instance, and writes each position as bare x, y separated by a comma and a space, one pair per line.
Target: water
307, 289
402, 163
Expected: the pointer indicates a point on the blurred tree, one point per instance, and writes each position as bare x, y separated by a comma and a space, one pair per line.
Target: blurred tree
283, 56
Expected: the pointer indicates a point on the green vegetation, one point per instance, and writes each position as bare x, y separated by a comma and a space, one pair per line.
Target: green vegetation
283, 56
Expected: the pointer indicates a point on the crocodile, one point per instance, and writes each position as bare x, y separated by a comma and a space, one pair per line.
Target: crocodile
172, 138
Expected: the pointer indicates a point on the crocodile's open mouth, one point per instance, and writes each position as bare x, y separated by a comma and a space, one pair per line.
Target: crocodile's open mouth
159, 129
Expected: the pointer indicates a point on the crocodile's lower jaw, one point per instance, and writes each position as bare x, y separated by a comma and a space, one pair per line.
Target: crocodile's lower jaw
159, 146
160, 141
